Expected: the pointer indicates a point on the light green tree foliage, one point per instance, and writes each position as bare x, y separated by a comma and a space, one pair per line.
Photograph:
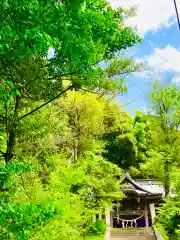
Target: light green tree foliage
64, 207
152, 163
168, 219
58, 196
47, 196
32, 207
149, 136
165, 102
82, 33
85, 113
73, 125
42, 134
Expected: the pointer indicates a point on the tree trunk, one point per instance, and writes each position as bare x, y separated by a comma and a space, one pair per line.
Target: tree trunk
11, 129
166, 178
10, 145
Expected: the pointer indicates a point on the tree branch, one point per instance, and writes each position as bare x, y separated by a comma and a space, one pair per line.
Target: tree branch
71, 118
62, 75
86, 90
46, 103
74, 73
123, 73
2, 153
17, 104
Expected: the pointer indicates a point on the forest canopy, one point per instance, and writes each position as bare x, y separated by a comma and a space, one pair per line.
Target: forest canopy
65, 142
55, 112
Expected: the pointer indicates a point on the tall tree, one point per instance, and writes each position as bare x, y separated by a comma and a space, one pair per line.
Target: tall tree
82, 34
149, 137
166, 104
85, 113
141, 134
120, 143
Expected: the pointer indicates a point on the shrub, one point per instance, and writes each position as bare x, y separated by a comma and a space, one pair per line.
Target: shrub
97, 228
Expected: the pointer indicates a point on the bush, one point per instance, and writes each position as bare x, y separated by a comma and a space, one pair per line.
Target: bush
169, 218
97, 228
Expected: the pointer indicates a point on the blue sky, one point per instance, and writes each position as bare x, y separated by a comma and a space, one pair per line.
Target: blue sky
160, 50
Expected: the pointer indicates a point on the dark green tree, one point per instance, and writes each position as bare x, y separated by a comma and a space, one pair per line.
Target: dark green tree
120, 143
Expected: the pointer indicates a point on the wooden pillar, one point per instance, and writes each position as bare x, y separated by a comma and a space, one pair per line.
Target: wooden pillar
108, 233
152, 210
108, 217
94, 218
108, 224
146, 214
111, 219
100, 216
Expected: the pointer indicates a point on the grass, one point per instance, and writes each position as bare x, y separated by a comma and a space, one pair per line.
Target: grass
94, 238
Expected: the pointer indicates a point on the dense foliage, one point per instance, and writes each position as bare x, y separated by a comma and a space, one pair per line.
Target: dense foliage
161, 153
64, 144
63, 207
82, 35
168, 219
53, 177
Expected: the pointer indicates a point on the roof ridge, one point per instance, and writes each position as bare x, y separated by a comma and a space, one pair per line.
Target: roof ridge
128, 177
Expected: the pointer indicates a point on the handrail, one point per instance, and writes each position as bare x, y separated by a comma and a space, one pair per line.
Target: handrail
157, 233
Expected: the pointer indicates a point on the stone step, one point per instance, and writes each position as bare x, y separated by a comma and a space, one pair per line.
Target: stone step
132, 234
133, 238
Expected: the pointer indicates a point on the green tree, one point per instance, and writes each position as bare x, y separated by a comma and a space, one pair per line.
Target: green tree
120, 143
85, 113
165, 102
168, 218
148, 134
64, 207
73, 126
82, 34
141, 134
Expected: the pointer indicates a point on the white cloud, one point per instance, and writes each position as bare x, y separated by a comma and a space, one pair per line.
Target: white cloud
147, 110
147, 75
151, 15
176, 79
164, 59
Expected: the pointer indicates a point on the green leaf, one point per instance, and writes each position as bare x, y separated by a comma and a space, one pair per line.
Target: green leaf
10, 84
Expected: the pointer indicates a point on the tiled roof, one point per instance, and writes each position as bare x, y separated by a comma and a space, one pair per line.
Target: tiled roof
151, 185
144, 186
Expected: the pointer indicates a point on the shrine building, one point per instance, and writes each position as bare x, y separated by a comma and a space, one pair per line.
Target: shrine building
139, 207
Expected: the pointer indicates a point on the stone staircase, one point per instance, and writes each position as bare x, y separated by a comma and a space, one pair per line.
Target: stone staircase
133, 234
